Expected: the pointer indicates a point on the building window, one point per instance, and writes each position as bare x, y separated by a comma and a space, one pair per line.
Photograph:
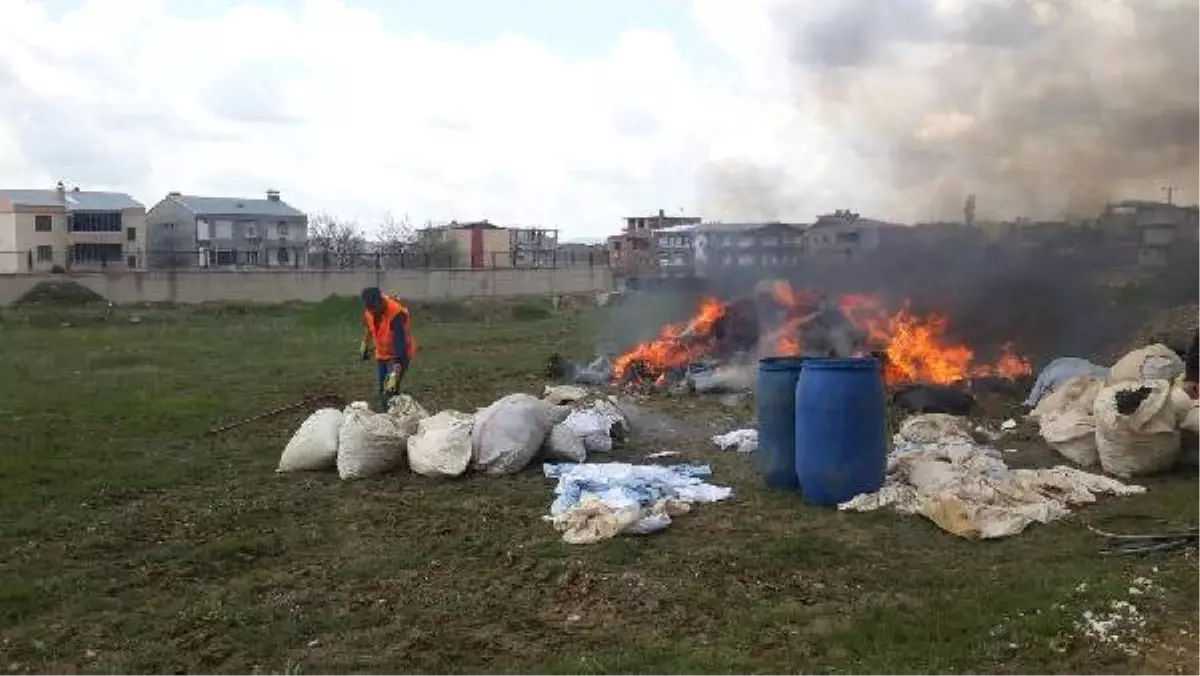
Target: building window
45, 254
226, 257
94, 221
251, 258
283, 229
42, 223
91, 252
130, 234
282, 256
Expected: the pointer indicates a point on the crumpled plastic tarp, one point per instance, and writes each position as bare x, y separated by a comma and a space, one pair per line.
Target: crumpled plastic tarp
742, 441
1060, 371
967, 490
598, 501
593, 426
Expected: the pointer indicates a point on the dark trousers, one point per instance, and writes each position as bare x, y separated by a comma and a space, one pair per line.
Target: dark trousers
383, 368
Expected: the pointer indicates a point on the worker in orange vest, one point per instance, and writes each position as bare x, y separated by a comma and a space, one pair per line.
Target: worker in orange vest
386, 321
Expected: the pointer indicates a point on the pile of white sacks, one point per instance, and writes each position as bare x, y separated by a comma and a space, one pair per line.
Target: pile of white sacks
1127, 421
500, 439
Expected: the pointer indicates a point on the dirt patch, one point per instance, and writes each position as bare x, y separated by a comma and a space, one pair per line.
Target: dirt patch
62, 293
1173, 327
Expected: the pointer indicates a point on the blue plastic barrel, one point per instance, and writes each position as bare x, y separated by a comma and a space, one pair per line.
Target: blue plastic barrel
775, 409
841, 429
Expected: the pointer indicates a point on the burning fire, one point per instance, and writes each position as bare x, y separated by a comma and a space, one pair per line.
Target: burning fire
917, 348
677, 345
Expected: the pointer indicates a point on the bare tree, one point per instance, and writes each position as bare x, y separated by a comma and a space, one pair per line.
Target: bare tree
395, 238
336, 242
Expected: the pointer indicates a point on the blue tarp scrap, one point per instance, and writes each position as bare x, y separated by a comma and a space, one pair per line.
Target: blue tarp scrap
1060, 371
622, 485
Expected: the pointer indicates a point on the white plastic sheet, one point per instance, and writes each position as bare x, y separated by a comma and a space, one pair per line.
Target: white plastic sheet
742, 441
600, 501
969, 491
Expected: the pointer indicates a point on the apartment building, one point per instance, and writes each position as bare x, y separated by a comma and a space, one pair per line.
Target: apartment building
846, 234
726, 247
675, 250
41, 230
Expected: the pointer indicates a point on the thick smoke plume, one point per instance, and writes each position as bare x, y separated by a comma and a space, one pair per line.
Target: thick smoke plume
1045, 108
746, 191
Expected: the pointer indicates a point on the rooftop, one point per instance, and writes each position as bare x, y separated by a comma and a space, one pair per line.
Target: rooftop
485, 224
231, 206
71, 200
662, 214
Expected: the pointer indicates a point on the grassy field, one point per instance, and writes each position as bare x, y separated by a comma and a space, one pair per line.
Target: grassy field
132, 542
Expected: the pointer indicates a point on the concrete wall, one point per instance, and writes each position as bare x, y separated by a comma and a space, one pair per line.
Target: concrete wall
189, 286
12, 259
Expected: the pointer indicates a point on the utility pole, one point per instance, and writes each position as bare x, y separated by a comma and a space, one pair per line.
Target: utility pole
1170, 190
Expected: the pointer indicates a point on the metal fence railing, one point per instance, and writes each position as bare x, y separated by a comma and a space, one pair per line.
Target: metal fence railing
46, 258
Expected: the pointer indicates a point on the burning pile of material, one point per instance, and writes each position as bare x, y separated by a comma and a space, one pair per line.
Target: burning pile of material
917, 349
779, 320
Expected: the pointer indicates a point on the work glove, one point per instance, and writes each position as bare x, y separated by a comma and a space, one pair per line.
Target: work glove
391, 386
364, 350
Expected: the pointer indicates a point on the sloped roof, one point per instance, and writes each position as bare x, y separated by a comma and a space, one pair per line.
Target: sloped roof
72, 200
231, 206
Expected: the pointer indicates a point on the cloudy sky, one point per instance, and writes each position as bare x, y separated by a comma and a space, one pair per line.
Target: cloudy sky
530, 111
561, 113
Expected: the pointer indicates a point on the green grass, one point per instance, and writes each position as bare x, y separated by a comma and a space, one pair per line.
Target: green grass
132, 542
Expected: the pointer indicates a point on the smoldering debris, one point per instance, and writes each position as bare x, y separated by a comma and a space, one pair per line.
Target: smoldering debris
1045, 109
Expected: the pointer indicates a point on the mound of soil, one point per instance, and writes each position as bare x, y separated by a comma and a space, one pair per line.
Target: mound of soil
60, 294
1173, 327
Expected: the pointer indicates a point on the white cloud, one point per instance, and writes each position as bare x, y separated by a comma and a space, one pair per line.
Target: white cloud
326, 104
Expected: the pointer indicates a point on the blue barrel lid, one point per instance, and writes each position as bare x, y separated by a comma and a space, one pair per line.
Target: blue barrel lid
842, 363
780, 363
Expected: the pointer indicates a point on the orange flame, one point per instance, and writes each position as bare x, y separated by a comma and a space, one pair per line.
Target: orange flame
917, 349
676, 346
916, 346
785, 340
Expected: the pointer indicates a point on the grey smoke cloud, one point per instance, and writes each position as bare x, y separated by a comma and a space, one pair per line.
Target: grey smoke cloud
744, 190
1046, 108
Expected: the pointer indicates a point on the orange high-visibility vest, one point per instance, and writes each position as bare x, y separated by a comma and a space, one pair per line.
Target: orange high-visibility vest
381, 331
